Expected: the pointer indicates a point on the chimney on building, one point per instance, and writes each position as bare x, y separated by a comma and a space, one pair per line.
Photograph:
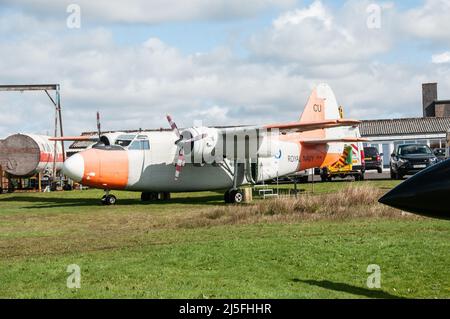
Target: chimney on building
429, 96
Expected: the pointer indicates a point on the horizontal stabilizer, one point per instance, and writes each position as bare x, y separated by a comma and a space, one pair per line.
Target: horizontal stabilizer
311, 126
335, 140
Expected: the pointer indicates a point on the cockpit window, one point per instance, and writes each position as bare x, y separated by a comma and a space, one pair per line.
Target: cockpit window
145, 145
139, 145
125, 140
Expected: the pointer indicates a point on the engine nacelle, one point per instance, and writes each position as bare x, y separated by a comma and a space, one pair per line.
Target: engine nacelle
203, 150
110, 138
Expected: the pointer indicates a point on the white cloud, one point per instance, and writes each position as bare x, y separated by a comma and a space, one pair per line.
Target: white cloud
429, 22
317, 35
315, 11
153, 11
441, 58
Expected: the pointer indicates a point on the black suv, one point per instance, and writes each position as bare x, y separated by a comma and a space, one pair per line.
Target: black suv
373, 159
409, 159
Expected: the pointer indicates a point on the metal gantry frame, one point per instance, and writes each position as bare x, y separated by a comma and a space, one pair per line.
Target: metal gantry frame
56, 103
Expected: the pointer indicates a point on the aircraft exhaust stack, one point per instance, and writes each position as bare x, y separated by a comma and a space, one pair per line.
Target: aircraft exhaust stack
426, 193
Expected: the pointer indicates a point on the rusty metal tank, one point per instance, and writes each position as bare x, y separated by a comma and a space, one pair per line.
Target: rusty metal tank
28, 154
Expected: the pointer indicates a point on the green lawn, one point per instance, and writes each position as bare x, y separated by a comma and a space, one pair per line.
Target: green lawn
136, 250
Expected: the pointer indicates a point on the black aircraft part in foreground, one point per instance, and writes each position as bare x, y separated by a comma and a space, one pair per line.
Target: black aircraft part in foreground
427, 193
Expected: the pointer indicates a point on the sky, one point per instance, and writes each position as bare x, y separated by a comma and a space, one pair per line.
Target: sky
221, 62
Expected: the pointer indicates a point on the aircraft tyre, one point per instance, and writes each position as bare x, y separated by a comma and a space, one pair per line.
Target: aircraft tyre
149, 196
235, 197
145, 197
226, 197
109, 200
165, 196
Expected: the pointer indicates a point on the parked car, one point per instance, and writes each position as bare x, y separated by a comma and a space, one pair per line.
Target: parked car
373, 159
440, 154
409, 159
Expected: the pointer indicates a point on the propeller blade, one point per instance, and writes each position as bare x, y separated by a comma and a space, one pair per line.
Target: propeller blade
196, 138
180, 163
98, 125
173, 125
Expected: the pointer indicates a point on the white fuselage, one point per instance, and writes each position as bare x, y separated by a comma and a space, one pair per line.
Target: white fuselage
153, 169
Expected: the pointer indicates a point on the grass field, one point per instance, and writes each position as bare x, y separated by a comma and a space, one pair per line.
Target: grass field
318, 246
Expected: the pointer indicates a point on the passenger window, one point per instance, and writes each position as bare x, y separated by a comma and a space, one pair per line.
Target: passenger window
145, 145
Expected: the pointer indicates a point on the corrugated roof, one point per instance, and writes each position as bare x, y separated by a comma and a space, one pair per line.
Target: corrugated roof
406, 126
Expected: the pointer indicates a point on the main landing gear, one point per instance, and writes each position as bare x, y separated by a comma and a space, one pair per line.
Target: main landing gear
233, 196
154, 196
108, 199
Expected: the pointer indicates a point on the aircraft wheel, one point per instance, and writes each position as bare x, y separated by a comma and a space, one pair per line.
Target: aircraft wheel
236, 196
165, 196
226, 197
109, 200
149, 196
145, 197
154, 196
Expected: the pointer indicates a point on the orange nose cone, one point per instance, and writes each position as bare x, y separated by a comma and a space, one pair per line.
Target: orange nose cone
105, 168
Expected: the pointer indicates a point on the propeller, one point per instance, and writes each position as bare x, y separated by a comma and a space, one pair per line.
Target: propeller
181, 143
99, 125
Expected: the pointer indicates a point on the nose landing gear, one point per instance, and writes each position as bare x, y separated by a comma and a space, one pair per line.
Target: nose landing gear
108, 199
